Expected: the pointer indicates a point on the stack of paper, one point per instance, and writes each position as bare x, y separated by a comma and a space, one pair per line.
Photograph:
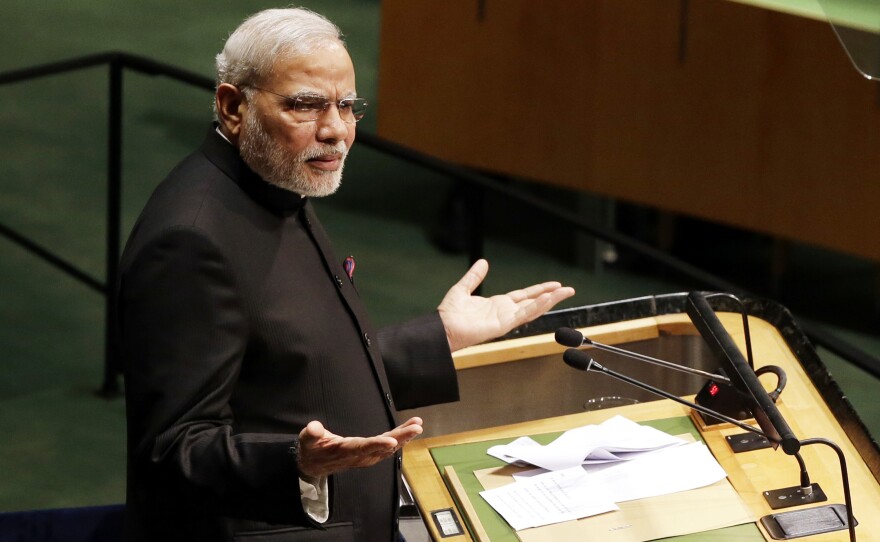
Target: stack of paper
595, 467
616, 439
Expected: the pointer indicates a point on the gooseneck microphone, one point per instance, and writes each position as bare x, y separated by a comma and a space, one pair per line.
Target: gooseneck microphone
583, 362
578, 360
573, 338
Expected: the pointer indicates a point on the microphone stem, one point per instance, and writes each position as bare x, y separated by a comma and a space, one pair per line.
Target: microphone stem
662, 363
806, 485
699, 408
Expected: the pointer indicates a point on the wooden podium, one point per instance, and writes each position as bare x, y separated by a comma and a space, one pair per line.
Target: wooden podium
520, 386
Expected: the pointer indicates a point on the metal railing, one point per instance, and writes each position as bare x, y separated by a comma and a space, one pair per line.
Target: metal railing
479, 183
116, 62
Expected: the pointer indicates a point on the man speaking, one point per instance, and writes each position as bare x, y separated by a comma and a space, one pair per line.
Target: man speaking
260, 400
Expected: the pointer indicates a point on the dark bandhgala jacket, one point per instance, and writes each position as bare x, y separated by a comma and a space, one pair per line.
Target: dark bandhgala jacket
238, 326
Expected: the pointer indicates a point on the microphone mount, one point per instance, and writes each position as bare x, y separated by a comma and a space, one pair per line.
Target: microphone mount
580, 360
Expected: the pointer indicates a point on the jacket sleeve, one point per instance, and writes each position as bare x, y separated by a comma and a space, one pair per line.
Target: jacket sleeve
184, 334
418, 362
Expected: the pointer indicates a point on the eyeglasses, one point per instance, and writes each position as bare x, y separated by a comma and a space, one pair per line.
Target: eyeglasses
308, 108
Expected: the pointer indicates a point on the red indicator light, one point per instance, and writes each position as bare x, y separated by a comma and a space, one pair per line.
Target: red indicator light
713, 389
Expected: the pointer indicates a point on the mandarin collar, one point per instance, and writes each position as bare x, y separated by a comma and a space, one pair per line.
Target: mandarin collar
225, 156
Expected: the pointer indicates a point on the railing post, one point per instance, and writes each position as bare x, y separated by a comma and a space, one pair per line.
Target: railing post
110, 387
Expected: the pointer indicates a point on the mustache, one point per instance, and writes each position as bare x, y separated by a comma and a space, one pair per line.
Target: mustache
340, 150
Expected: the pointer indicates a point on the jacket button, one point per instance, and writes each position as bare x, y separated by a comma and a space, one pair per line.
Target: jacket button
388, 399
338, 280
367, 338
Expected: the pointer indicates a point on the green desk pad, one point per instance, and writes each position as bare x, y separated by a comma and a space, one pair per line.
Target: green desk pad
467, 458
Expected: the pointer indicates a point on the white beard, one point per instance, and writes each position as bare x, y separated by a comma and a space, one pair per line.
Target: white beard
276, 165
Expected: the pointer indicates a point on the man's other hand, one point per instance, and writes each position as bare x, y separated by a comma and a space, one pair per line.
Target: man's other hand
321, 453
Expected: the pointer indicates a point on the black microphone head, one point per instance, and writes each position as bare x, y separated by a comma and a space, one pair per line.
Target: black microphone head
569, 337
577, 359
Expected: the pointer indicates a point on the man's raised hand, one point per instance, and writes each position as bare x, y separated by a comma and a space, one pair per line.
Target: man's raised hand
470, 319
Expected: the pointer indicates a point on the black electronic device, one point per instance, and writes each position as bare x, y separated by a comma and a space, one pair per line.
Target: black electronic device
806, 522
747, 442
722, 398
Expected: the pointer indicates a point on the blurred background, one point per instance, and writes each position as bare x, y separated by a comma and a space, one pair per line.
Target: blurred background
654, 96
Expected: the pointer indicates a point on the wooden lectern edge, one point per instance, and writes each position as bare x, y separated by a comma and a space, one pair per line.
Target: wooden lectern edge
545, 344
431, 493
461, 497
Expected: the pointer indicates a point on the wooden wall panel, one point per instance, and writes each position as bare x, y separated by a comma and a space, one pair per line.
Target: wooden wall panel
759, 121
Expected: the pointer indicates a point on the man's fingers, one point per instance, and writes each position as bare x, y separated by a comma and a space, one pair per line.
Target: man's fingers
388, 443
411, 424
534, 291
531, 309
406, 435
406, 431
561, 293
380, 445
474, 276
311, 433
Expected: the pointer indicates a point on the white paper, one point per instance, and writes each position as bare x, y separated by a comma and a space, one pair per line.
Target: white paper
553, 497
616, 439
498, 451
544, 497
667, 471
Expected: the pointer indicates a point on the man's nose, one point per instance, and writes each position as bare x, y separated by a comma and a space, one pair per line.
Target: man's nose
331, 127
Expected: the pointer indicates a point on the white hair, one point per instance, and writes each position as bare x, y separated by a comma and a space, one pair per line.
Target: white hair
253, 48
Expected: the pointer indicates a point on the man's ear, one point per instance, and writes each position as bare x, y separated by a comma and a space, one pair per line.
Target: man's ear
231, 106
